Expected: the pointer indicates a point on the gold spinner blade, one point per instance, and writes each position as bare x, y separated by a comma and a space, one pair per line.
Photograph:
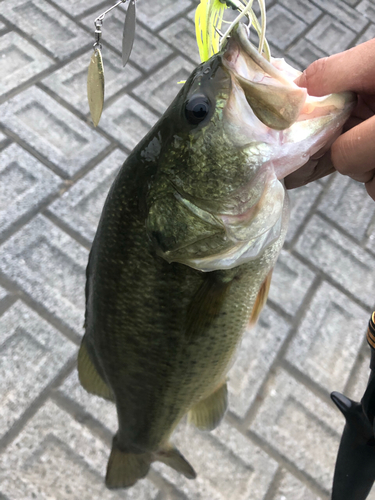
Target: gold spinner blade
95, 86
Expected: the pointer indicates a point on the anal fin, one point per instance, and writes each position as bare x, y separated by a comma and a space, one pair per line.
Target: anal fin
261, 299
89, 377
208, 413
172, 457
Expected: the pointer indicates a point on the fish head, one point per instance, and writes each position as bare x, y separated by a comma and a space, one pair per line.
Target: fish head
236, 129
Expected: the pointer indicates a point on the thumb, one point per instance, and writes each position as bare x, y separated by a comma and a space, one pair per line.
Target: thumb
313, 77
353, 70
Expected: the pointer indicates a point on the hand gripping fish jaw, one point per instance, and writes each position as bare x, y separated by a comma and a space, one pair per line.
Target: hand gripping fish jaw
355, 465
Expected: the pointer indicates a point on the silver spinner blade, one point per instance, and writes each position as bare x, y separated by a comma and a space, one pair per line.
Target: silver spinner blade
129, 32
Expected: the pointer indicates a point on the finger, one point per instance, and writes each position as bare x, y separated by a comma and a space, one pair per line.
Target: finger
353, 70
370, 187
311, 171
353, 153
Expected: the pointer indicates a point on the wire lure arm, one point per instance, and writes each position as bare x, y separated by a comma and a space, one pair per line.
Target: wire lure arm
95, 76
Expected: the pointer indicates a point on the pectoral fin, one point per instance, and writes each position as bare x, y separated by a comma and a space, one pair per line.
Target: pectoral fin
89, 377
208, 413
206, 305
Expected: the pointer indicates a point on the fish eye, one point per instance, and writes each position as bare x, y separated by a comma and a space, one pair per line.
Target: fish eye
197, 108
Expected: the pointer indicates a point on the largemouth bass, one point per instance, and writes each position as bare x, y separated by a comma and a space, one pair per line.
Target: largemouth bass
186, 244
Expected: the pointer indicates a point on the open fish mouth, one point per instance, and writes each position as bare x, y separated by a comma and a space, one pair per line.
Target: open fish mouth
279, 113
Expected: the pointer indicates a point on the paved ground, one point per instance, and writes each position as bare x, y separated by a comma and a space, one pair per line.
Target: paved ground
280, 437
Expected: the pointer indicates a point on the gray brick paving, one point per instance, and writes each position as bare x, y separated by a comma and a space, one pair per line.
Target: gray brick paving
367, 35
256, 354
332, 252
347, 204
281, 434
367, 8
300, 426
77, 7
155, 15
291, 488
55, 456
181, 34
21, 59
228, 465
46, 25
284, 27
49, 266
3, 138
26, 184
159, 90
291, 280
3, 293
81, 206
352, 3
127, 121
317, 350
97, 408
370, 244
302, 200
359, 378
52, 130
32, 353
330, 35
304, 10
303, 52
343, 13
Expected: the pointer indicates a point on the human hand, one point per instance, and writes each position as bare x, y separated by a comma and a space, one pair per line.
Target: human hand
353, 152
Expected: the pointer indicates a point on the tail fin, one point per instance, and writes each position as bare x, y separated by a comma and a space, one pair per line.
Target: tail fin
124, 469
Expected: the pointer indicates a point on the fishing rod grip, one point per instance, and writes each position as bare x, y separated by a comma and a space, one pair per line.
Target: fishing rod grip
371, 340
